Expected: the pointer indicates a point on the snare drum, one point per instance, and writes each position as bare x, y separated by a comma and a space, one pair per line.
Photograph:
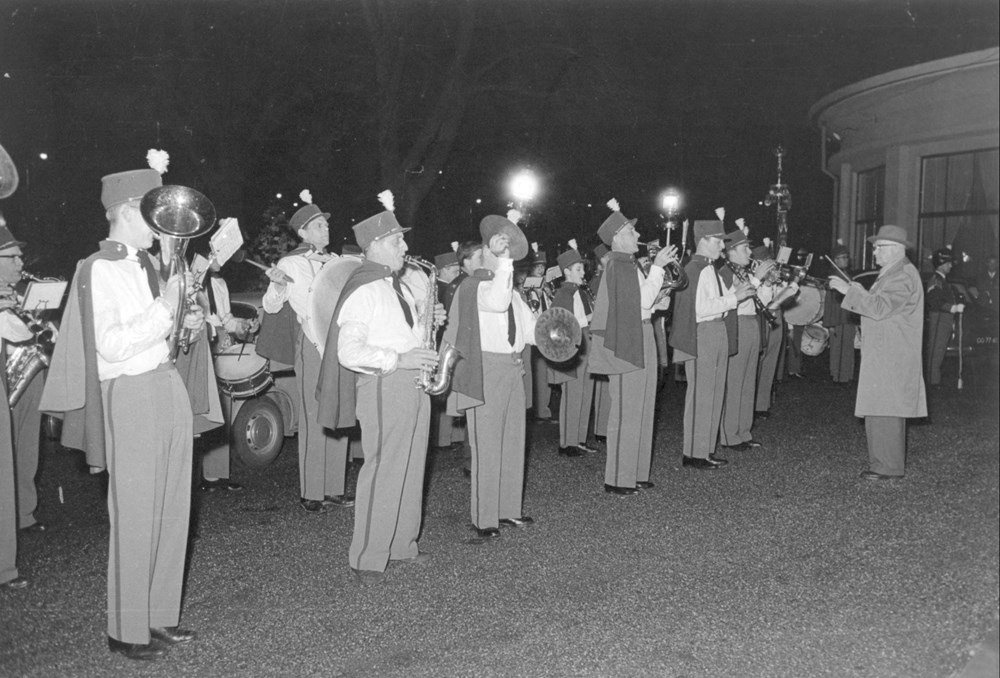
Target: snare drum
807, 307
242, 373
814, 340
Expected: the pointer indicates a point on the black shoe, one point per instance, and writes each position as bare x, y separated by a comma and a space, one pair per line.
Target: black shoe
173, 635
761, 414
571, 451
621, 491
35, 527
871, 475
488, 532
152, 650
703, 464
644, 485
523, 521
314, 506
339, 500
220, 484
15, 584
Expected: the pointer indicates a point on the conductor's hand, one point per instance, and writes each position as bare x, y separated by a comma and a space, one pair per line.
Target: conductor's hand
417, 359
500, 245
744, 290
839, 284
665, 256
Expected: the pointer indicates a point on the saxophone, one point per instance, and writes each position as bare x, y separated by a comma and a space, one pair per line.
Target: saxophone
433, 380
30, 357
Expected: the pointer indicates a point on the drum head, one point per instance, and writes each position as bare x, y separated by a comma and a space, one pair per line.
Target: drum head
807, 307
324, 293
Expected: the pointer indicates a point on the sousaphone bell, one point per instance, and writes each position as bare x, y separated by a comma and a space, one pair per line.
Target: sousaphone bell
177, 214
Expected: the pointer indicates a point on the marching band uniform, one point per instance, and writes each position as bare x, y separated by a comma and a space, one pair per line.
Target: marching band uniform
574, 377
741, 370
125, 404
623, 347
322, 456
701, 339
492, 328
373, 325
941, 307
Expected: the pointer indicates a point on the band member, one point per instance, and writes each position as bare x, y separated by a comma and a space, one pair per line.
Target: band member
446, 430
702, 341
623, 348
890, 383
771, 339
373, 353
574, 377
322, 456
741, 370
941, 309
25, 415
843, 326
127, 407
539, 300
491, 327
11, 329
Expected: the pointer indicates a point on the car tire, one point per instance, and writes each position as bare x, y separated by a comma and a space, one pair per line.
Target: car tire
258, 432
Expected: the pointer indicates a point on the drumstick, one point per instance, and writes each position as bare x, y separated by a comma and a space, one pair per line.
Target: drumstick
840, 272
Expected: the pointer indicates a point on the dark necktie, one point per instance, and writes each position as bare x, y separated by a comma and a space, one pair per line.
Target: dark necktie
402, 300
511, 325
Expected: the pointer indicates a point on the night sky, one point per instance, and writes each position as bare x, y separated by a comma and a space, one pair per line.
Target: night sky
600, 98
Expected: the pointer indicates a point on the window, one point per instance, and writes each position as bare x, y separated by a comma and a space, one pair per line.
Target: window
869, 211
958, 207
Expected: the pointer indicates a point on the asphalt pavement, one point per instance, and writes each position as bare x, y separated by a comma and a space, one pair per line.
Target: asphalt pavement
784, 563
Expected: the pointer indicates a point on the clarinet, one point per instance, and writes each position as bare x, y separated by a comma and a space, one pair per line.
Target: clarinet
740, 274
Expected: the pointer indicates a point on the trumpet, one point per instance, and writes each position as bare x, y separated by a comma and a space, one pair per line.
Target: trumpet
740, 273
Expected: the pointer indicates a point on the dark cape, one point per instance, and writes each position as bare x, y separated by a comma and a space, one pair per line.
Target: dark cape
616, 326
73, 387
462, 332
336, 390
279, 332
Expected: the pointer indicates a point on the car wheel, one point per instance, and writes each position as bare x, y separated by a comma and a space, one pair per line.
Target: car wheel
258, 432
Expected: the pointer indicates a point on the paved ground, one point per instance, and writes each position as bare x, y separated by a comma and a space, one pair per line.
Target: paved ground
783, 564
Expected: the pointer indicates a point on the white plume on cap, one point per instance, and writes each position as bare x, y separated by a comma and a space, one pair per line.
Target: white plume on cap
454, 245
385, 197
513, 216
572, 243
613, 204
721, 213
158, 160
305, 196
534, 247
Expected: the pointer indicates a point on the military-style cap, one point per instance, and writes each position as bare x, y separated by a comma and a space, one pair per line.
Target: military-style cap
125, 186
708, 229
304, 215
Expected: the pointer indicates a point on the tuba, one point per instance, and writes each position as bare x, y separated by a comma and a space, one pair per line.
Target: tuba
433, 380
177, 214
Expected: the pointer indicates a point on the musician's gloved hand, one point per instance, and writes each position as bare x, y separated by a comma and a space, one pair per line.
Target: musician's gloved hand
665, 256
744, 290
958, 308
417, 359
500, 245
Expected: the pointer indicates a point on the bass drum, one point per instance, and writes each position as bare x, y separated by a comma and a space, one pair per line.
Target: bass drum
807, 307
242, 373
814, 340
324, 293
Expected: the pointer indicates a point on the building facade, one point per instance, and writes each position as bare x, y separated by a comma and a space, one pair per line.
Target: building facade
918, 147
